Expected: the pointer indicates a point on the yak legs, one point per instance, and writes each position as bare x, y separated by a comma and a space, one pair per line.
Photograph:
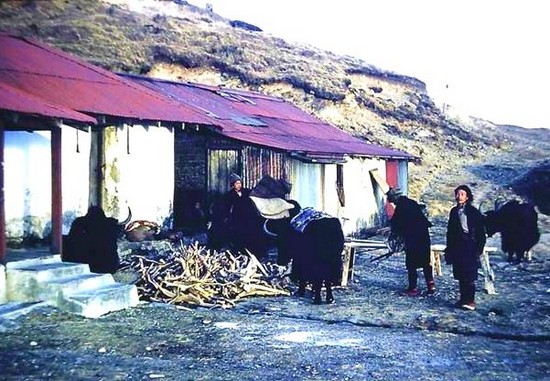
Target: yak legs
317, 285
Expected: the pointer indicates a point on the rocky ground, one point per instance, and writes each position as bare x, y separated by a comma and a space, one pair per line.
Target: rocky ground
372, 332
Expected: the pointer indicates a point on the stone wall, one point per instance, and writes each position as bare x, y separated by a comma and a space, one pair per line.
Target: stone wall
190, 161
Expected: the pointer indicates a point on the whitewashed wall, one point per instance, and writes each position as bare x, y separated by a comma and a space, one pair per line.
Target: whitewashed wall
28, 184
361, 203
306, 182
142, 178
140, 171
75, 174
315, 185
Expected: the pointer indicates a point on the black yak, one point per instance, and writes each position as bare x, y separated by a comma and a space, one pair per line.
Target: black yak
518, 226
314, 241
93, 240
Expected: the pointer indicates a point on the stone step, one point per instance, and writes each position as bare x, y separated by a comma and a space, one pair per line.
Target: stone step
62, 287
51, 271
25, 283
34, 261
97, 302
15, 309
66, 285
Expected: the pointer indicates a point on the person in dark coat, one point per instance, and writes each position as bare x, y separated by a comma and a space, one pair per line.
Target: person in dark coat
410, 223
465, 243
245, 229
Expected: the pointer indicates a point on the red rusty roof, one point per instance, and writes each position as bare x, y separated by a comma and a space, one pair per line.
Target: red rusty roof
67, 81
12, 99
266, 120
70, 83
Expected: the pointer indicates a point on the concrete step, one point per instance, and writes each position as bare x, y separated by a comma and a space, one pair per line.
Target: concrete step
63, 287
34, 261
52, 271
25, 283
15, 309
69, 286
97, 302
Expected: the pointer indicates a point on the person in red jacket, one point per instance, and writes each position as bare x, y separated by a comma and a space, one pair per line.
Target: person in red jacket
410, 223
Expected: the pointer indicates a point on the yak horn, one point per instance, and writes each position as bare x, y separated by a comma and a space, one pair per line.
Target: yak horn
266, 230
481, 206
127, 218
499, 202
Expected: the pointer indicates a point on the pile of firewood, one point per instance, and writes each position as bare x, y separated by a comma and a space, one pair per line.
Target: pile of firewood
192, 275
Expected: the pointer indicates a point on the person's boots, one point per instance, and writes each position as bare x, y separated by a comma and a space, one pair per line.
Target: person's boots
301, 288
317, 292
430, 287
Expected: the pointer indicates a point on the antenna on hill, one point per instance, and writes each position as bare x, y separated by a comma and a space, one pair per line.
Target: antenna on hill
445, 105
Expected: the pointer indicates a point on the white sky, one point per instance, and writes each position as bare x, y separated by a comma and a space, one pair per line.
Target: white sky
492, 54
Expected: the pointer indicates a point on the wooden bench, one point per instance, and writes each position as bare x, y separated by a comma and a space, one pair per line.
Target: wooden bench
438, 250
348, 257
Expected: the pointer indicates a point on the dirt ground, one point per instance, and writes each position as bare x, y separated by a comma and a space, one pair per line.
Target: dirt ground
371, 332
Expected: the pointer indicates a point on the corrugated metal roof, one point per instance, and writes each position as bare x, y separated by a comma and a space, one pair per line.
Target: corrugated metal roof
12, 99
266, 120
70, 82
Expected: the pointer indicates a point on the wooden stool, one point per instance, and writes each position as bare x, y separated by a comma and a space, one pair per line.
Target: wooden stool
488, 274
348, 260
435, 258
348, 256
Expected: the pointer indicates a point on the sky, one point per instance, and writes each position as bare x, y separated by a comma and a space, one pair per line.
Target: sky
485, 58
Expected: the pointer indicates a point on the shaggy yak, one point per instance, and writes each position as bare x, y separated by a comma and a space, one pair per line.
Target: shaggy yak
93, 240
518, 226
311, 239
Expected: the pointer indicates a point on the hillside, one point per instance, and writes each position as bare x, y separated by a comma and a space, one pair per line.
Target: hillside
175, 40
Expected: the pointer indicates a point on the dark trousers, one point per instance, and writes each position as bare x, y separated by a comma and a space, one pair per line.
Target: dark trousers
413, 276
467, 291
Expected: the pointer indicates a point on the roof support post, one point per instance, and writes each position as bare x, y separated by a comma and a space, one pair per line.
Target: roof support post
97, 167
57, 209
3, 247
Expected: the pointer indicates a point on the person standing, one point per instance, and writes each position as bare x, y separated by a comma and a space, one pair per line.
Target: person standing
465, 243
238, 203
410, 223
244, 221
